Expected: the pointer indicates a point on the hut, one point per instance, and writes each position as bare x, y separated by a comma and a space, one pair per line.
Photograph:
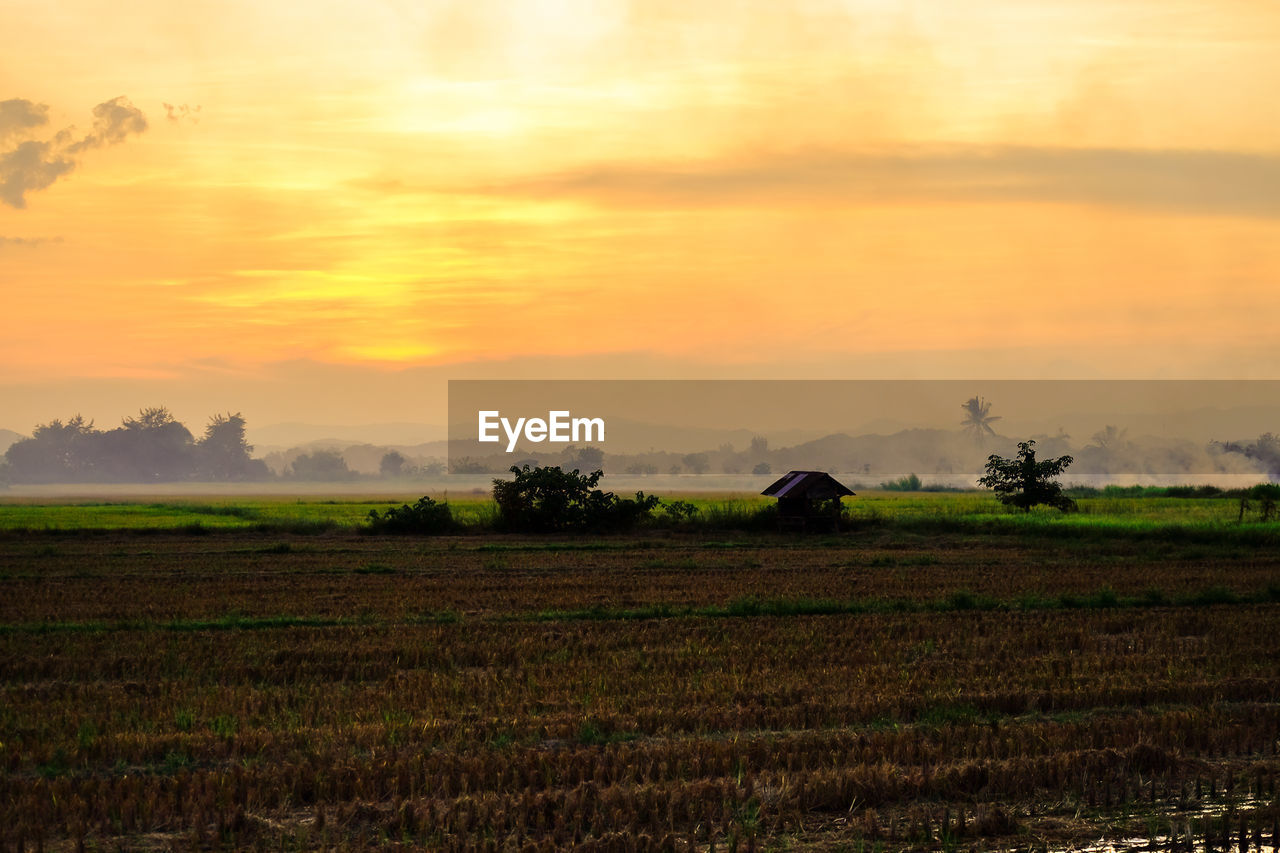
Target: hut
808, 500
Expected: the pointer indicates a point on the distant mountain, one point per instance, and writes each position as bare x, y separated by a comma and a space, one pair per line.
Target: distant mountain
628, 436
8, 437
285, 435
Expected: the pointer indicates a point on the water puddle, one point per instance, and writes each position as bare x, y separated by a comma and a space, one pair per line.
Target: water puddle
1203, 827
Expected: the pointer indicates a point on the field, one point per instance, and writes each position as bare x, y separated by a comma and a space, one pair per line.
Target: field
260, 673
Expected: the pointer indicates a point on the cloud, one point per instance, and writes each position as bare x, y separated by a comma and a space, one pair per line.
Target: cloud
27, 242
113, 120
180, 112
36, 164
18, 116
31, 166
1203, 182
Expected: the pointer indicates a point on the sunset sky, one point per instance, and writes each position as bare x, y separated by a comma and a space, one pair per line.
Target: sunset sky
322, 211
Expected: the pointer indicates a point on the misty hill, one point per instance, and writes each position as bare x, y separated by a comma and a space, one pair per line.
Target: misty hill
630, 437
8, 437
361, 458
953, 457
290, 435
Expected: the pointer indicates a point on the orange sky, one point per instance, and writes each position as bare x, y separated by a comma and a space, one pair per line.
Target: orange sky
345, 196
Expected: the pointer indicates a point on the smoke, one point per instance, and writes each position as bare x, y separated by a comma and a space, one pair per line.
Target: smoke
35, 164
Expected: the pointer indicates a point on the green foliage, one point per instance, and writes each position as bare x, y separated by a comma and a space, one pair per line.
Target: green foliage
184, 719
1264, 497
426, 517
1023, 482
547, 499
678, 512
910, 483
225, 725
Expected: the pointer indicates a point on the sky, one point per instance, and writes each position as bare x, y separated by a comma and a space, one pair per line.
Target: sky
322, 212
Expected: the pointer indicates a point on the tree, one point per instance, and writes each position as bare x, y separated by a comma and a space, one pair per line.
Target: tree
1023, 482
762, 469
154, 446
223, 453
977, 418
55, 453
1110, 438
698, 463
320, 465
392, 464
589, 458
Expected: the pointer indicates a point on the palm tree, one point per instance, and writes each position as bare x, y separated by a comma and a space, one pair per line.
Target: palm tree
976, 418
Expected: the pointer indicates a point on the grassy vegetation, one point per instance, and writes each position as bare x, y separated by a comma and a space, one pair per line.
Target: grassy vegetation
940, 676
1113, 508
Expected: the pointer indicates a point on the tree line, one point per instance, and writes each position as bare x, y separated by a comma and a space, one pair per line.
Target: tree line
153, 447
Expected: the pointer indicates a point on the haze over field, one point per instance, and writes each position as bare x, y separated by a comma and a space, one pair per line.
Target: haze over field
320, 214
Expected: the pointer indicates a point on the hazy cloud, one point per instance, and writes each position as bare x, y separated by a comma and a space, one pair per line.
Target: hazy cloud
1182, 181
18, 115
35, 164
27, 242
181, 112
112, 122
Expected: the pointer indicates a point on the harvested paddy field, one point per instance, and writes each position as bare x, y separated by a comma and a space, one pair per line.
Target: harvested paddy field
897, 686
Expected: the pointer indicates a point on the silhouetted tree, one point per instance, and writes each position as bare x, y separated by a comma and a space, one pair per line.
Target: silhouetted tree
55, 453
223, 452
1023, 482
1111, 437
392, 464
589, 458
321, 465
153, 447
698, 463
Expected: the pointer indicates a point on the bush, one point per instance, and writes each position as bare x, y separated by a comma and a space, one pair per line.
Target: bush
903, 484
678, 512
425, 516
547, 499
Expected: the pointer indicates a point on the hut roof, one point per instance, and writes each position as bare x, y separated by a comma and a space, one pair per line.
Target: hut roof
812, 485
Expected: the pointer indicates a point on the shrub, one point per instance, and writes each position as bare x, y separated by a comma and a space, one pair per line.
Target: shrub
426, 516
909, 483
547, 499
678, 512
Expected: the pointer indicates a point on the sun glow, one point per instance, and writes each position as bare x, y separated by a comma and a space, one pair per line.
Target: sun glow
405, 184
